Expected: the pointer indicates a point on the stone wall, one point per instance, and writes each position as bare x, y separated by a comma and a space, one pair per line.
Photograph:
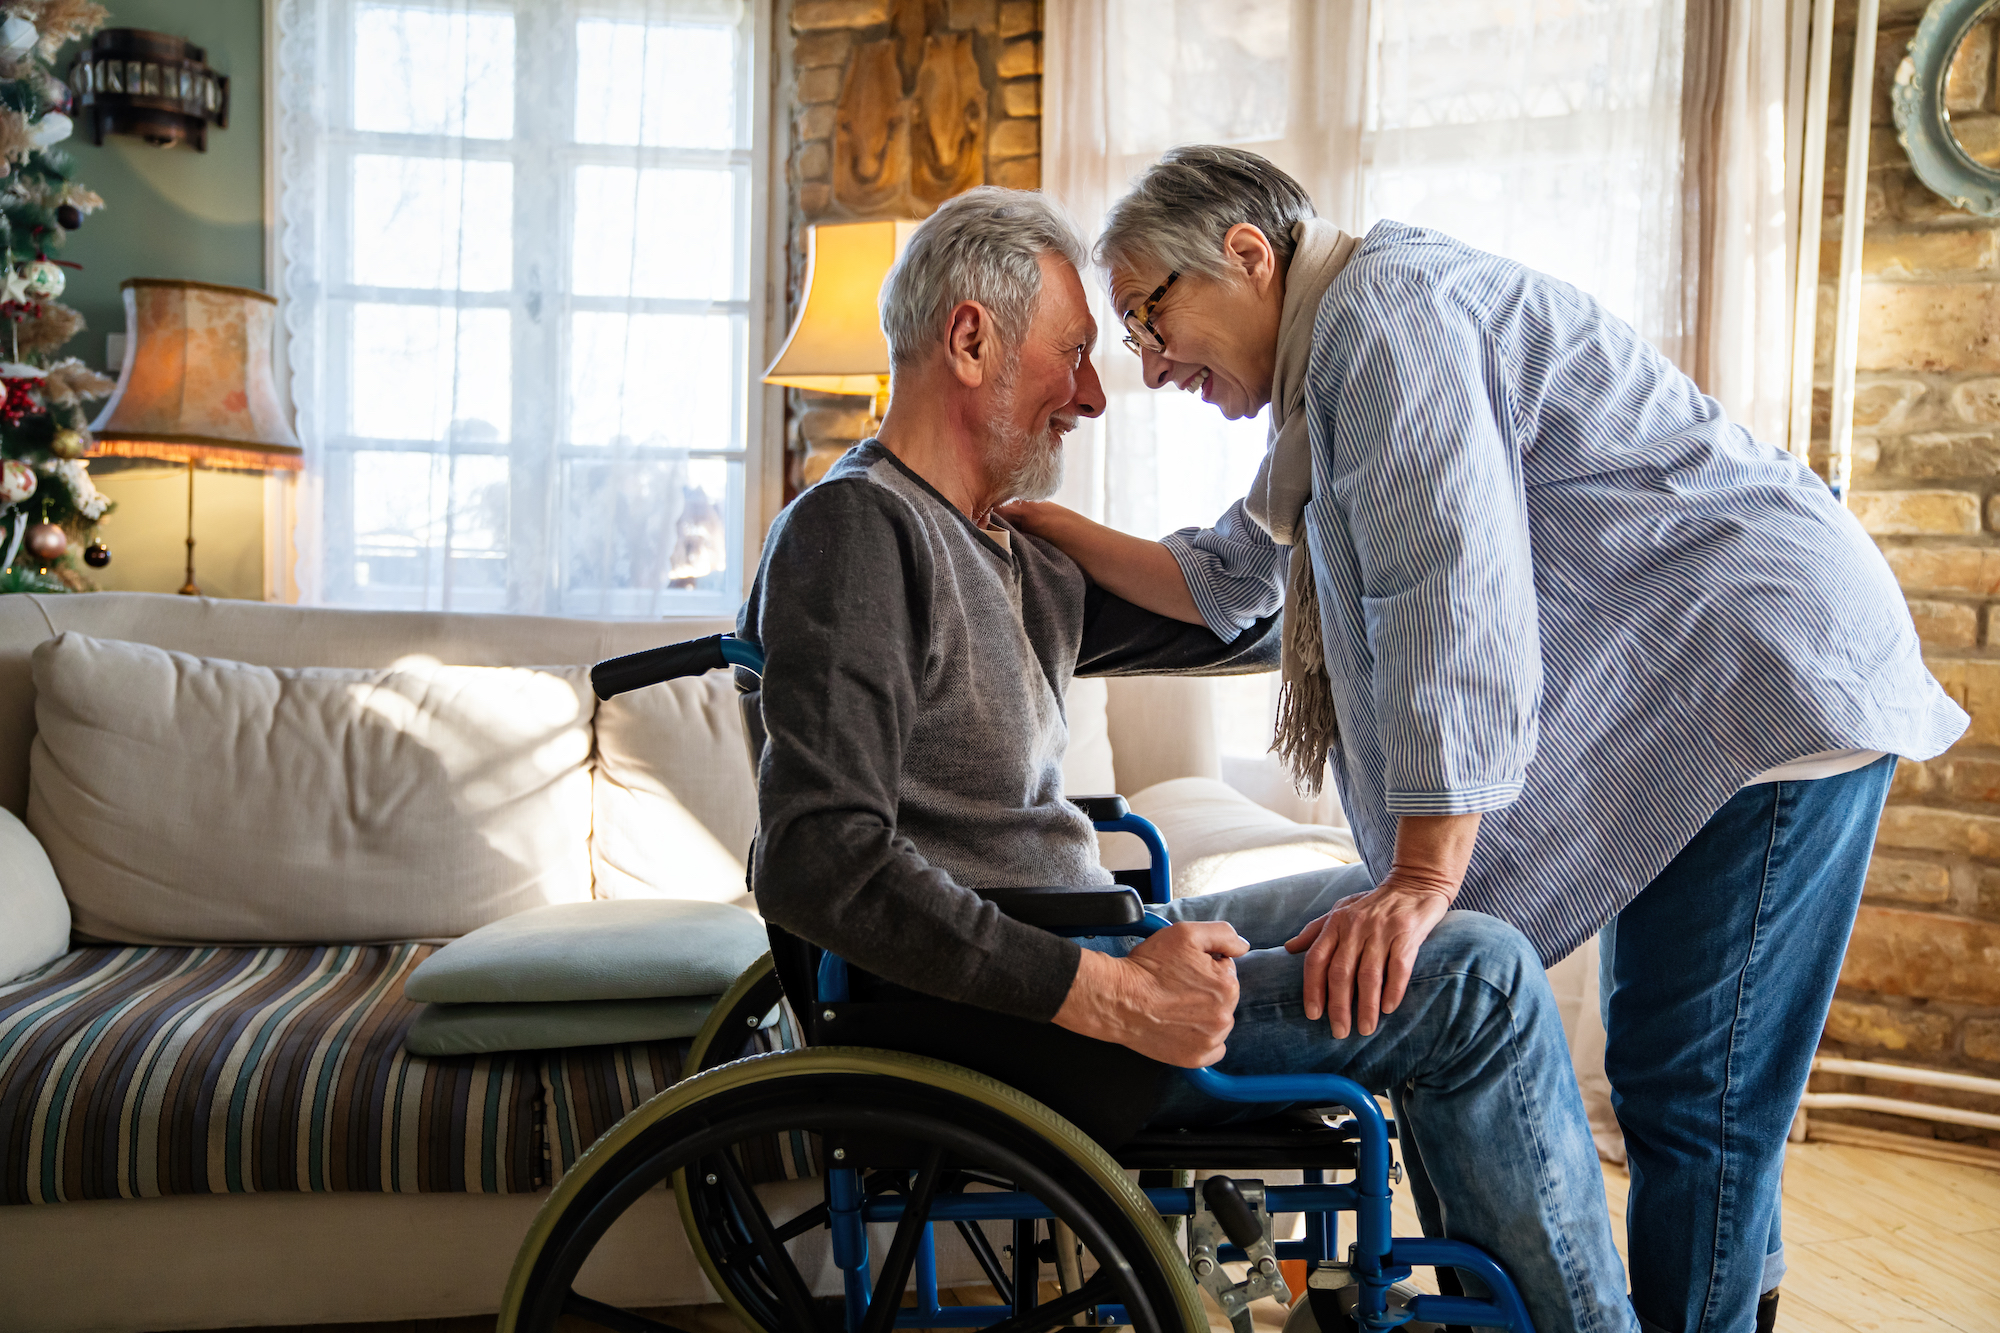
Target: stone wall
1922, 979
895, 106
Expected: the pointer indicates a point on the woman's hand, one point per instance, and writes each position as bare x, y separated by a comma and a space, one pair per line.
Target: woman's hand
1143, 573
1359, 956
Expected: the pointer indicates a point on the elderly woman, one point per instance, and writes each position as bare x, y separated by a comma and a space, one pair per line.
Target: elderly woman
1581, 653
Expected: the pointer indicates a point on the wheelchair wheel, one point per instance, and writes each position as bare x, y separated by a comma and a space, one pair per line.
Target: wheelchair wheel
737, 1018
893, 1119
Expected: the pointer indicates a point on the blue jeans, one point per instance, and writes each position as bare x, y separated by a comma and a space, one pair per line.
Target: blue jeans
1716, 982
1475, 1062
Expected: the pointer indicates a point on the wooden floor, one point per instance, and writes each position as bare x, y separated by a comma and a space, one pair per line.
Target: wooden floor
1878, 1242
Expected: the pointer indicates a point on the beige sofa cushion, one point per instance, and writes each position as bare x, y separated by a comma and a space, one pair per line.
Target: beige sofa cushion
1221, 839
674, 799
1087, 767
190, 800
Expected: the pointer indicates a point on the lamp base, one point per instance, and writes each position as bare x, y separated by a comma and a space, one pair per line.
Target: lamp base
190, 588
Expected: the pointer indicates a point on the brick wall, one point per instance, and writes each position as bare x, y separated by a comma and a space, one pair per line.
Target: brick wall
1921, 982
895, 106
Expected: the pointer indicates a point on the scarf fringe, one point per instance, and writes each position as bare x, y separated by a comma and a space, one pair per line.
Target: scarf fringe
1307, 726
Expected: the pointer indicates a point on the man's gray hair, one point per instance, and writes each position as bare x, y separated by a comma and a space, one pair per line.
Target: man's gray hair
984, 245
1181, 207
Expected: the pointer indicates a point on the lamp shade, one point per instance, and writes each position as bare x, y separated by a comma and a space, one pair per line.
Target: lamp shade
197, 383
836, 345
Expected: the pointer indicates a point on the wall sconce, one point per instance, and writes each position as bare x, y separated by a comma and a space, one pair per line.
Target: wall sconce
149, 84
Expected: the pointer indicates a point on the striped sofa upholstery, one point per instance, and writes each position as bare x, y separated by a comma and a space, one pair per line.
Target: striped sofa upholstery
136, 1072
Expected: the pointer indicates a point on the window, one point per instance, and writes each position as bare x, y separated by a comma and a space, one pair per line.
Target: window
519, 242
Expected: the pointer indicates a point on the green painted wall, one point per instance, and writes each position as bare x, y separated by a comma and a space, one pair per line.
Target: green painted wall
176, 213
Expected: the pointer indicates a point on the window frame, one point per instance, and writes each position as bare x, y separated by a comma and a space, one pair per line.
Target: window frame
544, 158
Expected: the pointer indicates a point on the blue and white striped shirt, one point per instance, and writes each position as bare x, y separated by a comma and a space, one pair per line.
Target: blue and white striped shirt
1557, 585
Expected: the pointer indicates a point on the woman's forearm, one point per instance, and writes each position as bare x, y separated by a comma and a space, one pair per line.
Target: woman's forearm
1143, 572
1433, 851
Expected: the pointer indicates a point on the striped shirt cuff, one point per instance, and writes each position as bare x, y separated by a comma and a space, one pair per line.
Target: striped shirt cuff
1469, 801
1196, 567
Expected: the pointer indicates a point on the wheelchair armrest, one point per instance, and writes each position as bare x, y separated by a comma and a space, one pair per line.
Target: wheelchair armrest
1062, 909
1101, 809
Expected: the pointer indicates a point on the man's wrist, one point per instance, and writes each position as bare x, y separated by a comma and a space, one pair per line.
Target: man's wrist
1092, 998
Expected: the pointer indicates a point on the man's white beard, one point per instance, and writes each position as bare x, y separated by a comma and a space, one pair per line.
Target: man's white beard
1032, 466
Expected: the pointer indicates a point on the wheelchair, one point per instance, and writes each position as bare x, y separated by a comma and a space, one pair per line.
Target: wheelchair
903, 1126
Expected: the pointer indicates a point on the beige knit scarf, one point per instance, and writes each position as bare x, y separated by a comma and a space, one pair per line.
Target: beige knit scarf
1307, 726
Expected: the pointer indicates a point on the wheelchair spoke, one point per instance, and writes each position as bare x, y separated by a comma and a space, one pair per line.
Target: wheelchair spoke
611, 1317
910, 1230
812, 1219
1097, 1291
989, 1262
790, 1288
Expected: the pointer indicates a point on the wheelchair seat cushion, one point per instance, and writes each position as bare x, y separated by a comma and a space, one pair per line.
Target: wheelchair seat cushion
621, 949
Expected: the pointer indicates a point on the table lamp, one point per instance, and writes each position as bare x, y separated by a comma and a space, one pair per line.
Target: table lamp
836, 344
196, 386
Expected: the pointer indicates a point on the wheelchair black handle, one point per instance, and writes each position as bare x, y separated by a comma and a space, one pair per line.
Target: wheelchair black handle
637, 670
1232, 1210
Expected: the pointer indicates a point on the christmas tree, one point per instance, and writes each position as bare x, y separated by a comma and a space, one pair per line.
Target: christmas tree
49, 507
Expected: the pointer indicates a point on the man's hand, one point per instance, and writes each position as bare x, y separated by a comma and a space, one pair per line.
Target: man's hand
1359, 956
1173, 998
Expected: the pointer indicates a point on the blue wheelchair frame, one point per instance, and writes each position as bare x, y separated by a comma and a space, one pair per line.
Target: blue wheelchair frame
1379, 1259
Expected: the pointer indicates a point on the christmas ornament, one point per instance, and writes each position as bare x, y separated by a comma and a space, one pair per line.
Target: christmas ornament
19, 402
51, 129
42, 280
17, 481
97, 555
69, 217
47, 542
69, 444
17, 37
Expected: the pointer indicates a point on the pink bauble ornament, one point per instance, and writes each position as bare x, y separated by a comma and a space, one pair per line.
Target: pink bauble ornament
17, 481
47, 542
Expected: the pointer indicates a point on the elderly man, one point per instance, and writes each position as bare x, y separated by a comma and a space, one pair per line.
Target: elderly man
917, 652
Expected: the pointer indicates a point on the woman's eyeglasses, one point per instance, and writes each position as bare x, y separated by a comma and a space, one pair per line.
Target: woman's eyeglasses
1140, 335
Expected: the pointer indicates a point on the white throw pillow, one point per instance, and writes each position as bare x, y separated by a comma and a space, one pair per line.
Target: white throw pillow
190, 800
674, 798
1221, 839
34, 917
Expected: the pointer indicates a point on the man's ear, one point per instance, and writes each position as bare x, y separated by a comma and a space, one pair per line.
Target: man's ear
968, 337
1249, 252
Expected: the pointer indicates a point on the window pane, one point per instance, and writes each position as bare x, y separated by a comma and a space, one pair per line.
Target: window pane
433, 222
656, 233
660, 84
430, 529
423, 71
426, 373
668, 380
641, 534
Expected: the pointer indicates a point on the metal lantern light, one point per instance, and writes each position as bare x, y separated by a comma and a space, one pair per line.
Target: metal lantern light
149, 84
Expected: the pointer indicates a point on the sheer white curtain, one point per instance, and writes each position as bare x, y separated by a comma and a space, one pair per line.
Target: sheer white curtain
517, 240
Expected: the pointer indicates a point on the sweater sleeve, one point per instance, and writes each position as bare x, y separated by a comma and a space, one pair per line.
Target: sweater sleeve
841, 612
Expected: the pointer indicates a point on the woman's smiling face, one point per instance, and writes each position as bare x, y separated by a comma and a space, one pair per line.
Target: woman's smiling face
1219, 334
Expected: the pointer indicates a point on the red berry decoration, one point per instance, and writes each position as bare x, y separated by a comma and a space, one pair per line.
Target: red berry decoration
69, 217
97, 555
47, 542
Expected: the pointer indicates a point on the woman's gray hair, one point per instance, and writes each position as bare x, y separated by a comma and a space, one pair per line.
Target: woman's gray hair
1181, 207
984, 245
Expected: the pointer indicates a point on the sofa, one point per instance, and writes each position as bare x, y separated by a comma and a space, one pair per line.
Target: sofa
254, 821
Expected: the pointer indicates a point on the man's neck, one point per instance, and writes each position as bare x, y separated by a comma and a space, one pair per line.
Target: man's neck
945, 447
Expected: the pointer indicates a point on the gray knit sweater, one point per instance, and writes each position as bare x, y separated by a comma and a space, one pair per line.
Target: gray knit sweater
912, 697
